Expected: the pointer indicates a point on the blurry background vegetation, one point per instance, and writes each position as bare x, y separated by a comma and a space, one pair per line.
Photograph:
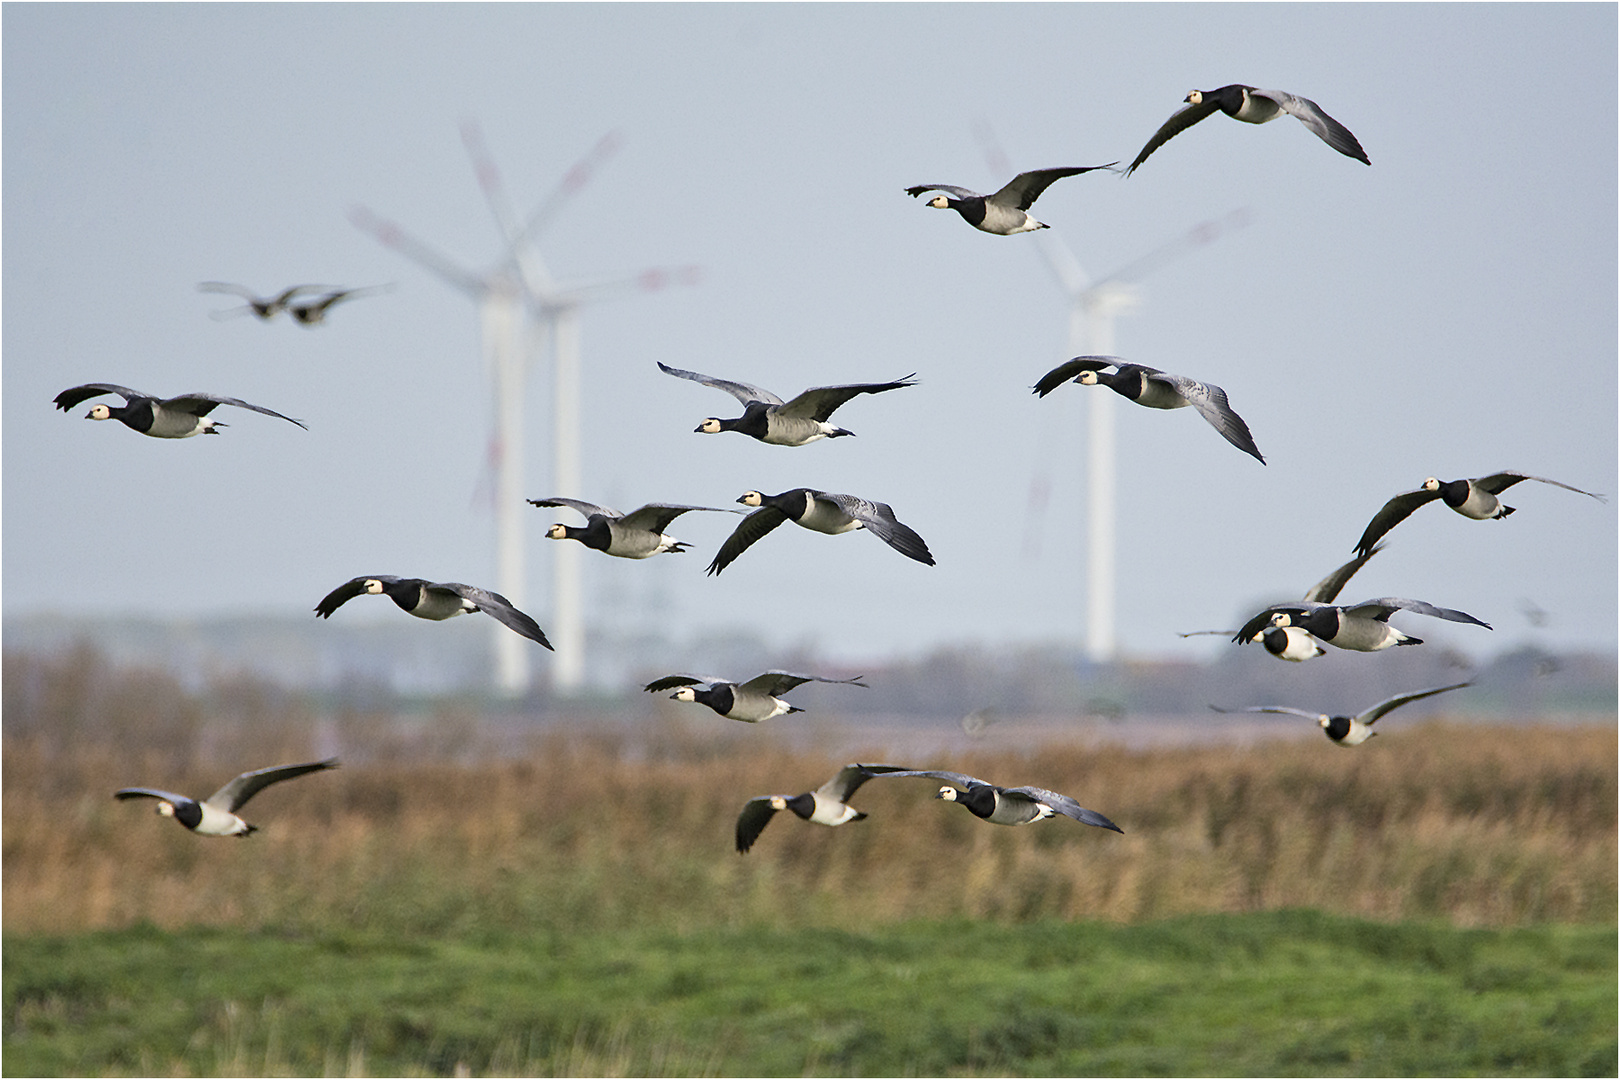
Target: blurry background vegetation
485, 888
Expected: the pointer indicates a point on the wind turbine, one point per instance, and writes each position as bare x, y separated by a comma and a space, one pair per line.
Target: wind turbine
521, 306
1094, 303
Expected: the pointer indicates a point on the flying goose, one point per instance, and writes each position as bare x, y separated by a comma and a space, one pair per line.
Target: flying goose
216, 815
1362, 627
1002, 213
1475, 499
1290, 642
769, 419
827, 805
820, 511
755, 700
162, 418
1349, 730
266, 308
636, 535
314, 312
432, 600
999, 805
1253, 106
1156, 390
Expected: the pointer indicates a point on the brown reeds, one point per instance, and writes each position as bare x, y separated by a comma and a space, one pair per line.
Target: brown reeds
1481, 825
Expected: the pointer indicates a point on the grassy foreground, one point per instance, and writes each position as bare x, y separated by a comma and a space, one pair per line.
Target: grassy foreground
1279, 993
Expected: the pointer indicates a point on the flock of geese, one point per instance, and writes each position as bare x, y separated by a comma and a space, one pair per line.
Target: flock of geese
1293, 631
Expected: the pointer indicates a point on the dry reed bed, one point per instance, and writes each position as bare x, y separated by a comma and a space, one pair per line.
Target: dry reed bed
1479, 825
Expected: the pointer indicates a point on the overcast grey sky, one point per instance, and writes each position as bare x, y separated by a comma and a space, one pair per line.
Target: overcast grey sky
1449, 311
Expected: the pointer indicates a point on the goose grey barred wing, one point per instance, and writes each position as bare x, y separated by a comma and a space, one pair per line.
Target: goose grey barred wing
1210, 401
819, 402
1070, 369
577, 504
780, 682
1270, 709
1312, 116
74, 395
1386, 606
959, 779
656, 516
669, 682
743, 392
1062, 804
348, 591
1401, 699
1327, 590
495, 605
756, 814
849, 779
202, 404
1496, 483
1262, 620
1022, 190
879, 519
150, 793
748, 530
1179, 121
949, 189
231, 797
1397, 510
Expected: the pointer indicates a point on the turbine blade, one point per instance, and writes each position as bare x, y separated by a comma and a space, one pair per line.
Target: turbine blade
489, 180
1204, 232
391, 235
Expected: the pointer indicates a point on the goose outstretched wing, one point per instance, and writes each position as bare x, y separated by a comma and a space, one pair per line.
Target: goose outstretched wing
743, 392
231, 797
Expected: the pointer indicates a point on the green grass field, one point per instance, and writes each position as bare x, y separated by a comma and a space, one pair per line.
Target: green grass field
1280, 993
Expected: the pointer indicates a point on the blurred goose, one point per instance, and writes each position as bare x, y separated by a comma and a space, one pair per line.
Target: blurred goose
1003, 806
1349, 730
636, 535
1290, 642
162, 418
216, 815
1362, 627
1156, 390
266, 308
314, 312
1475, 499
1001, 213
1254, 106
769, 419
819, 511
433, 600
827, 805
757, 699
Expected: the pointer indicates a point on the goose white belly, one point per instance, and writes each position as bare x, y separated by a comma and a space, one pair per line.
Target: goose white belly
1156, 395
438, 606
794, 430
832, 813
1017, 812
1480, 505
216, 822
1365, 635
826, 517
169, 424
753, 708
638, 543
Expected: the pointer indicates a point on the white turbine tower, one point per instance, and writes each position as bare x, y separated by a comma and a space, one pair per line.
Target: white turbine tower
519, 301
1093, 306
